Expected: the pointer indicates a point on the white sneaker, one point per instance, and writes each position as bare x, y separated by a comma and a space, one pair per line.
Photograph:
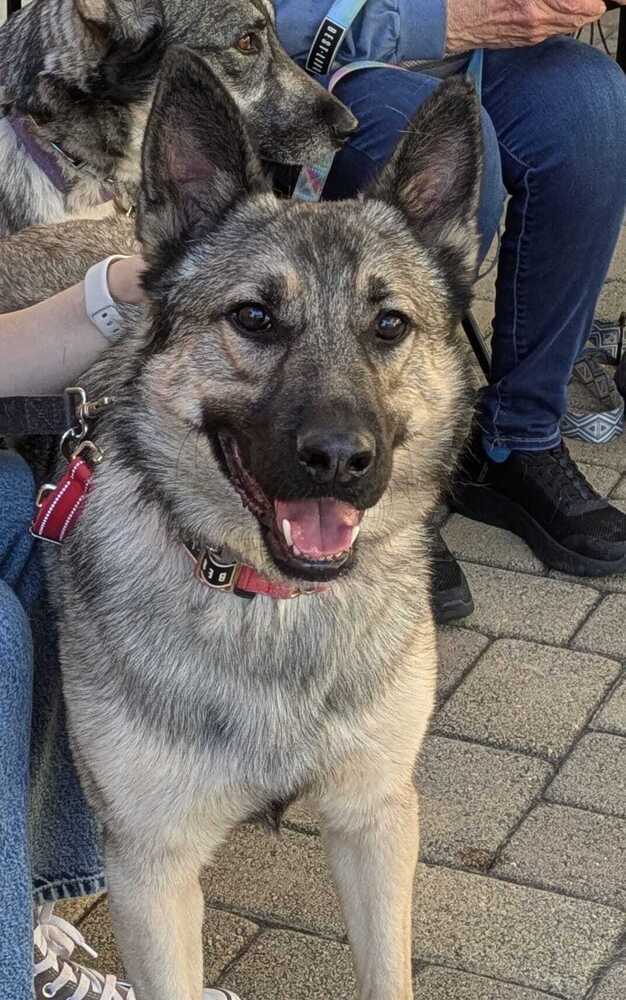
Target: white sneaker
57, 976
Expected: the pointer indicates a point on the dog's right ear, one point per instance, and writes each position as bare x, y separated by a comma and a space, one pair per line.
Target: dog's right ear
197, 157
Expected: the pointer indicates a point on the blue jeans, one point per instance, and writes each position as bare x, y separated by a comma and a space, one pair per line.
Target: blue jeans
47, 834
554, 124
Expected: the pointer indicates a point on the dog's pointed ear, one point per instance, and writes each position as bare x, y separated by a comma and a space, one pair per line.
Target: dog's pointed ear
197, 158
126, 21
434, 175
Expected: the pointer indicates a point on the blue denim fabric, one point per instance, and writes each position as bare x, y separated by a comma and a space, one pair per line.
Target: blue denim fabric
554, 121
47, 833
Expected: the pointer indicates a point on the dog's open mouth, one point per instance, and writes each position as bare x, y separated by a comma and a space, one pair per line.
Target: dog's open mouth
310, 538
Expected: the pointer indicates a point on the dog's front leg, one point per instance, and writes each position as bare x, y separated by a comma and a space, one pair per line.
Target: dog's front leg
371, 839
157, 906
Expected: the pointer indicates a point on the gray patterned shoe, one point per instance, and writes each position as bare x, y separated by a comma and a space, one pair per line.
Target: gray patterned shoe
57, 976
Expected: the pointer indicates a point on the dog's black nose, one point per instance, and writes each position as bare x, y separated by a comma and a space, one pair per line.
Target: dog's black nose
335, 456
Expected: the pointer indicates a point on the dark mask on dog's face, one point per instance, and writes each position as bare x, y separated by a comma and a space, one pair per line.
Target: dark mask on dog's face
307, 352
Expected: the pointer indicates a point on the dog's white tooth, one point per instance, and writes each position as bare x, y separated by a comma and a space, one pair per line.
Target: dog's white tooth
287, 532
355, 534
296, 551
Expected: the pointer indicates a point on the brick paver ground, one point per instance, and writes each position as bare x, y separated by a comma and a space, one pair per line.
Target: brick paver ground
521, 893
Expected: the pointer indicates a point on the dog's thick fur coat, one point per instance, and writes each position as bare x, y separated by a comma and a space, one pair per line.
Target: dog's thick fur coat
191, 710
82, 74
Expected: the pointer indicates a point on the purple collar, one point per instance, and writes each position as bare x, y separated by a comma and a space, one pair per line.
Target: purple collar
43, 157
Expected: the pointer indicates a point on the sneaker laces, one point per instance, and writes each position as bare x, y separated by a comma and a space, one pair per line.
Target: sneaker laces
56, 940
563, 478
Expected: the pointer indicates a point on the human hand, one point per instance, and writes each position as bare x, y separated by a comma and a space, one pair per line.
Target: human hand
503, 24
123, 280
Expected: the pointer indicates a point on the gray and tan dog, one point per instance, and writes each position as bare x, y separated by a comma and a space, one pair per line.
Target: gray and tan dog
292, 398
77, 78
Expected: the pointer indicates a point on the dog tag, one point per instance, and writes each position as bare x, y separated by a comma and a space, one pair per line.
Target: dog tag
215, 574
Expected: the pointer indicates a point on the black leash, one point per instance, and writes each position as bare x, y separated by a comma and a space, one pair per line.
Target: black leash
26, 416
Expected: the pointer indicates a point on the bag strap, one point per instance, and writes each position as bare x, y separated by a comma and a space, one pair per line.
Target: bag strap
331, 33
326, 44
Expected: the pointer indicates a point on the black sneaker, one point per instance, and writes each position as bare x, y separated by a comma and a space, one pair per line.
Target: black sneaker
543, 497
450, 592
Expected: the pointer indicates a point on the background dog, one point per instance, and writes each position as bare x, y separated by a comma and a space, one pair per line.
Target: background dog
293, 398
76, 82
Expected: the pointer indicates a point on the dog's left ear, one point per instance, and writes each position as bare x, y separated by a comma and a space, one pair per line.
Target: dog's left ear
197, 158
126, 21
434, 175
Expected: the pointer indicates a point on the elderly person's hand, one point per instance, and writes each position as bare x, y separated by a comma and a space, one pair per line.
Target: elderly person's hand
502, 24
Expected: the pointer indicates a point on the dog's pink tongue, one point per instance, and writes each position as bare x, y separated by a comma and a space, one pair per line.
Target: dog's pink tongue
318, 527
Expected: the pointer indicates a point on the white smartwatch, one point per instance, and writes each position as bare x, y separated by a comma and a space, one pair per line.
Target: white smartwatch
99, 303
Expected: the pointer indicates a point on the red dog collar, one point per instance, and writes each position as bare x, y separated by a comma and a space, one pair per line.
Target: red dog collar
239, 579
59, 507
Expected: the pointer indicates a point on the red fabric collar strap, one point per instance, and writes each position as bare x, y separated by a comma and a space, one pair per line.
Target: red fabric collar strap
59, 507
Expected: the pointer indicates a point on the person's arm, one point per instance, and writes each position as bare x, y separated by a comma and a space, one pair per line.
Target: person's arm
44, 348
503, 24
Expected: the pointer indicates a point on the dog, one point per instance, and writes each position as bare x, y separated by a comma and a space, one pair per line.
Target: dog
76, 84
284, 414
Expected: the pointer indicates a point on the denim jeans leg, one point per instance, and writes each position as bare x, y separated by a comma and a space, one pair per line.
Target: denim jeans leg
16, 671
384, 101
559, 110
46, 827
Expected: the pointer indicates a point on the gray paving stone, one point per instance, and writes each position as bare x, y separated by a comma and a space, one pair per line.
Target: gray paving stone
605, 632
569, 850
74, 910
458, 648
594, 776
619, 492
284, 965
613, 296
503, 931
603, 479
603, 584
482, 310
482, 543
612, 716
223, 936
527, 697
526, 607
434, 983
613, 985
471, 799
612, 455
282, 879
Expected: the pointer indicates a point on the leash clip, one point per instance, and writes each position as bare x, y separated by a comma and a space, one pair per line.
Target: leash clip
83, 410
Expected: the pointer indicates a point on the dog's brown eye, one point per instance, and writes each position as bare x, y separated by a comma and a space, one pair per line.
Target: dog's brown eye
391, 326
252, 319
247, 44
